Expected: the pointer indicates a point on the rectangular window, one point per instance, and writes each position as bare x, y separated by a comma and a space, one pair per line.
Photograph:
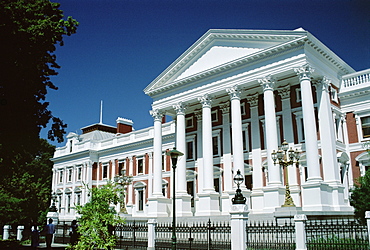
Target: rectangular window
216, 184
78, 199
190, 189
60, 176
365, 123
141, 200
215, 145
242, 108
70, 175
68, 203
334, 94
163, 162
79, 173
190, 150
189, 122
105, 171
140, 166
214, 116
121, 168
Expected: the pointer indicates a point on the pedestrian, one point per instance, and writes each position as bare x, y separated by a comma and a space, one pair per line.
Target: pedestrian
49, 231
35, 236
73, 232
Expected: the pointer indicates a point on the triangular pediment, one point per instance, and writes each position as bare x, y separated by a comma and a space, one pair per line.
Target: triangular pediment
218, 48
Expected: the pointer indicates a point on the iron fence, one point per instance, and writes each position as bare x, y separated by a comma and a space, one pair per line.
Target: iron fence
336, 234
198, 235
62, 232
270, 235
133, 234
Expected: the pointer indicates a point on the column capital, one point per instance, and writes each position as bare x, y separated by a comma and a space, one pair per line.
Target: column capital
304, 72
322, 84
205, 100
180, 108
284, 92
267, 83
225, 107
156, 114
198, 114
234, 92
253, 100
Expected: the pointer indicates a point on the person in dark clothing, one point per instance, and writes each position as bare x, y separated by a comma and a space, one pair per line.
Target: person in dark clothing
35, 236
49, 231
73, 233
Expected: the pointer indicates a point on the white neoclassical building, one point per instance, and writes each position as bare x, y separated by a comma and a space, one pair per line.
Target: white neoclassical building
234, 96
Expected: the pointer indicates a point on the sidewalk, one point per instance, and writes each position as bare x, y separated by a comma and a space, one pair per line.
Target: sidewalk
55, 246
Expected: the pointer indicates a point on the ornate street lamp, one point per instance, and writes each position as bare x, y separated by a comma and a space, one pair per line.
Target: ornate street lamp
122, 180
174, 156
285, 158
53, 208
239, 198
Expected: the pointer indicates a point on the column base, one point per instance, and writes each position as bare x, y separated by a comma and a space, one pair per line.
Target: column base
183, 205
208, 204
257, 203
273, 197
316, 196
158, 207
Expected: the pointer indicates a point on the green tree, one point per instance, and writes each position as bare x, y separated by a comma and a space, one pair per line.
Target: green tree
360, 198
26, 196
97, 219
29, 33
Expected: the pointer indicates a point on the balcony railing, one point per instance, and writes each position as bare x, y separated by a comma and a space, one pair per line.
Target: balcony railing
355, 79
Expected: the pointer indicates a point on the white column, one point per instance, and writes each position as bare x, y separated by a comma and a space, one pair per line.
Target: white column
150, 174
327, 133
256, 141
200, 170
268, 84
207, 143
208, 204
226, 145
157, 153
237, 136
312, 155
6, 230
183, 199
300, 233
130, 195
180, 146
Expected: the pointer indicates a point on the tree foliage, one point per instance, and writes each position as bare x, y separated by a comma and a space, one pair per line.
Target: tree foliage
29, 33
360, 198
30, 30
97, 218
26, 195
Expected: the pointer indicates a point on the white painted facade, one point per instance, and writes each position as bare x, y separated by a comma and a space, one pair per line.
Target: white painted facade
234, 96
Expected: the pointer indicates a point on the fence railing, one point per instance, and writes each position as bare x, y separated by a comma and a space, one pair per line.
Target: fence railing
336, 234
271, 235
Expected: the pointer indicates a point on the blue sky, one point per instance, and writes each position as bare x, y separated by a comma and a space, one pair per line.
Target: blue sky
122, 45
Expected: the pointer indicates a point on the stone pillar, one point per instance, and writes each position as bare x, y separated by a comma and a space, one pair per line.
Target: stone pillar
6, 230
312, 155
274, 191
238, 222
327, 132
20, 229
183, 199
157, 203
130, 191
257, 175
150, 174
226, 160
284, 93
152, 223
207, 143
268, 84
300, 233
237, 136
157, 153
199, 163
208, 198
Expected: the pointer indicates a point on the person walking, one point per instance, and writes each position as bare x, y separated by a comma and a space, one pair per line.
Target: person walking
35, 236
73, 233
49, 231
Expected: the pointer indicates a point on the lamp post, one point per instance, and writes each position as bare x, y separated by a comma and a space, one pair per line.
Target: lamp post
239, 198
122, 180
53, 208
174, 156
284, 158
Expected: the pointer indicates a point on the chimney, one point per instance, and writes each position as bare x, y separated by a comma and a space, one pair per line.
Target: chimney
124, 125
